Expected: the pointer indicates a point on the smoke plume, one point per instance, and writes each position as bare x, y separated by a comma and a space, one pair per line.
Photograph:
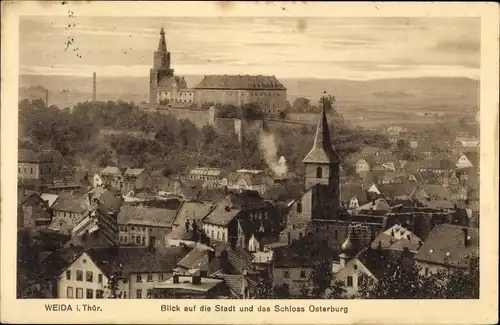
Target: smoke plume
268, 146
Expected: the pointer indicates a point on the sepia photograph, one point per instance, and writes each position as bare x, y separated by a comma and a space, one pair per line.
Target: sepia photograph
247, 157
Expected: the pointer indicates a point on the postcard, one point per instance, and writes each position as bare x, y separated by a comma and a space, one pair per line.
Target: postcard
249, 162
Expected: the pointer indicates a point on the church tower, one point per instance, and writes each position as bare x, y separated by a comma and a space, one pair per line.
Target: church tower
323, 171
161, 67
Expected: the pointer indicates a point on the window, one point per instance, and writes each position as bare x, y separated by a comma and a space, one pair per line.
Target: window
160, 277
139, 278
218, 235
69, 292
99, 294
99, 278
336, 233
79, 275
211, 233
299, 207
150, 278
19, 169
426, 271
90, 294
68, 274
319, 172
89, 276
223, 237
139, 294
143, 240
355, 266
79, 293
31, 170
286, 274
349, 281
302, 274
138, 240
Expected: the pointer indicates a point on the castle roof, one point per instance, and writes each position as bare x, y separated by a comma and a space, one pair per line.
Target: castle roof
240, 82
322, 151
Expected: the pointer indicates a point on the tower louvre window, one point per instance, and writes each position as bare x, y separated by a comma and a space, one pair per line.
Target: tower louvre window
319, 172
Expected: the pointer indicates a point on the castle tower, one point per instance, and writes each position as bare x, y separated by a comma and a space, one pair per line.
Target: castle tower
323, 166
161, 67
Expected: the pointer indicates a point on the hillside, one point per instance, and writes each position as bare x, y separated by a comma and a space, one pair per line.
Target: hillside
446, 95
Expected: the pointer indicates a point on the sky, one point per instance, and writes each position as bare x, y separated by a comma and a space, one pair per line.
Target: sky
323, 48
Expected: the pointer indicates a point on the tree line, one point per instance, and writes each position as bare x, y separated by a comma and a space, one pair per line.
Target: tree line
177, 144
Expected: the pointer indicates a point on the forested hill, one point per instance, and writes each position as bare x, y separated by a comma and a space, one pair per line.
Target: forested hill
177, 146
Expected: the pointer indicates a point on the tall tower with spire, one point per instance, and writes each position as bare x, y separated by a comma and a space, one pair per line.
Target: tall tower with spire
322, 166
161, 67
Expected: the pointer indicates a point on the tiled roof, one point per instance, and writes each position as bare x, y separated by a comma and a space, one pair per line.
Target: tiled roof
378, 205
205, 171
148, 216
139, 259
69, 202
195, 259
91, 240
473, 158
134, 172
301, 253
25, 155
111, 170
240, 259
50, 198
235, 282
192, 210
397, 238
240, 82
221, 218
107, 198
446, 245
59, 260
350, 190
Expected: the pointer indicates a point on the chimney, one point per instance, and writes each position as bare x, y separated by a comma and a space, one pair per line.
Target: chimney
94, 81
47, 97
289, 238
211, 254
224, 261
175, 279
196, 279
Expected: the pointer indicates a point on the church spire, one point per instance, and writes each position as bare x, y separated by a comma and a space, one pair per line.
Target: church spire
162, 44
322, 151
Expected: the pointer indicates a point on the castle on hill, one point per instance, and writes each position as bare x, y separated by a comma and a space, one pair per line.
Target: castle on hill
167, 89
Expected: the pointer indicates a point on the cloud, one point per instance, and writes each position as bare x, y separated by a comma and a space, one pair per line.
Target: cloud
471, 46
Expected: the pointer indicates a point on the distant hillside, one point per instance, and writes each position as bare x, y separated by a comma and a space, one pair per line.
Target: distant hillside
448, 95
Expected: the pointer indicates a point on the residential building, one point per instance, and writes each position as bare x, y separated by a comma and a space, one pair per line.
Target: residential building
193, 287
144, 226
447, 247
251, 181
222, 225
32, 210
136, 179
468, 160
112, 176
68, 210
35, 167
211, 177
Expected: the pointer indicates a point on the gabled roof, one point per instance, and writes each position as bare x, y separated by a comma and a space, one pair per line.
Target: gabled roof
133, 172
351, 190
191, 210
111, 170
138, 259
25, 155
221, 218
107, 198
322, 151
147, 216
50, 198
473, 158
195, 259
205, 171
59, 260
238, 82
376, 205
69, 202
446, 245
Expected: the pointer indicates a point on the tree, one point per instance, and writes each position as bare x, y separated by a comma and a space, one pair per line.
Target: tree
302, 104
320, 278
328, 101
264, 290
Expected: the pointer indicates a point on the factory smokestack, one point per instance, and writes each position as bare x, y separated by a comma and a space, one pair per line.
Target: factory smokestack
47, 97
94, 81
